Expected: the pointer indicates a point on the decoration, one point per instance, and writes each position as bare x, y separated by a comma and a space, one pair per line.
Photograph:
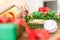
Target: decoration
40, 34
44, 10
4, 19
51, 26
36, 15
33, 34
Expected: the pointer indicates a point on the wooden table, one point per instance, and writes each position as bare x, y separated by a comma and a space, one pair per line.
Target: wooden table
52, 36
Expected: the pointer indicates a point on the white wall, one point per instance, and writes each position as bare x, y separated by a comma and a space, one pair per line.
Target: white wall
4, 1
34, 4
6, 4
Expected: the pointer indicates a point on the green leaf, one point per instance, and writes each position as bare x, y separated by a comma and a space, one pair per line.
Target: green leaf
37, 15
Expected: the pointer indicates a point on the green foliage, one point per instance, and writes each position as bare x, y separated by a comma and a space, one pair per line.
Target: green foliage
35, 26
36, 15
51, 15
47, 16
27, 18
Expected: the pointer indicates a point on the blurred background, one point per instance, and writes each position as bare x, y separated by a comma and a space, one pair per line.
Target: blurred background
33, 5
36, 19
